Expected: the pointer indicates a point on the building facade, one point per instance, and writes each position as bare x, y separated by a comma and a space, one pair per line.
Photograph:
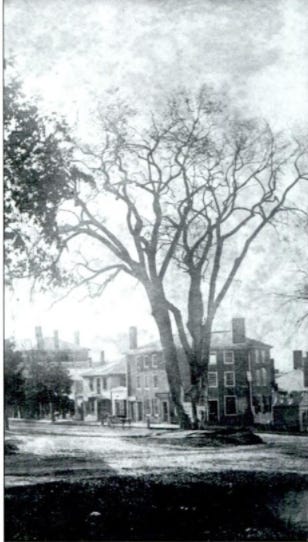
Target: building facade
102, 391
240, 380
290, 411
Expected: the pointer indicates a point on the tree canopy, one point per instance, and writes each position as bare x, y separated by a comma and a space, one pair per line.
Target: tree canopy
187, 190
38, 169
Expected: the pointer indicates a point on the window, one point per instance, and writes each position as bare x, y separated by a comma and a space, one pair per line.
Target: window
104, 383
263, 355
229, 378
258, 356
139, 363
154, 406
213, 358
229, 357
154, 361
212, 380
146, 381
91, 384
120, 407
138, 382
258, 377
155, 381
230, 405
146, 361
264, 376
98, 385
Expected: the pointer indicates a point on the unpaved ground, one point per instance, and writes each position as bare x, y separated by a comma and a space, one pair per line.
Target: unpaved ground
56, 449
97, 483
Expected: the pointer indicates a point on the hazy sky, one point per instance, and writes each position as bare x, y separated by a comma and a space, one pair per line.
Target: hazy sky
71, 53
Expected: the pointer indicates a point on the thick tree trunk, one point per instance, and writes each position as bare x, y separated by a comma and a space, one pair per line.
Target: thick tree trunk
162, 319
199, 362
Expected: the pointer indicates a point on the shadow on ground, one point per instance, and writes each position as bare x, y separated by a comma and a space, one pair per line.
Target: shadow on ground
177, 506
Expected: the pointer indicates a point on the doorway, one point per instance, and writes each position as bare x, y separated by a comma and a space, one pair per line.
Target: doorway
213, 411
165, 412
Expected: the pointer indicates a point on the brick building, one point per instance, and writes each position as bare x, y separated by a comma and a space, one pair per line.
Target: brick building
241, 378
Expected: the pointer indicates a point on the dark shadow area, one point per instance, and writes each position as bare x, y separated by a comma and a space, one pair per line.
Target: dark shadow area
181, 506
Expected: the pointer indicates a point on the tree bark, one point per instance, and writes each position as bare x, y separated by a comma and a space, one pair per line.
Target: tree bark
162, 319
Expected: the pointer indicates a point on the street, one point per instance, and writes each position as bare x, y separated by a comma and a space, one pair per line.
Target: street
83, 482
86, 448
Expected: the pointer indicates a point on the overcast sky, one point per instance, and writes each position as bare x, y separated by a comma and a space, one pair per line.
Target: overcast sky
71, 53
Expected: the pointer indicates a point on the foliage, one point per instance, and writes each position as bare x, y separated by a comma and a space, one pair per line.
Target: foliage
13, 375
46, 385
13, 379
38, 166
186, 191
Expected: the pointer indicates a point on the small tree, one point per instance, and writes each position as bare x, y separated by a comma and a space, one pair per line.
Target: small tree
47, 389
13, 380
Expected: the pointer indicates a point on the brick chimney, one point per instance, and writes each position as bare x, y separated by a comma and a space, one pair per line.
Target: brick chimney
77, 338
103, 356
238, 330
297, 359
56, 339
133, 338
39, 338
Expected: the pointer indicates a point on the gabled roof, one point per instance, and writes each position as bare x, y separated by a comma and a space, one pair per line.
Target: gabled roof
104, 369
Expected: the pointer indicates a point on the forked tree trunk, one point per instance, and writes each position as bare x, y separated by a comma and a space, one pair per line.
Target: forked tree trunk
162, 319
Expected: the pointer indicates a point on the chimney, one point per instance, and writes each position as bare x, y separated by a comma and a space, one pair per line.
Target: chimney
39, 338
297, 359
77, 338
103, 356
133, 338
56, 339
238, 330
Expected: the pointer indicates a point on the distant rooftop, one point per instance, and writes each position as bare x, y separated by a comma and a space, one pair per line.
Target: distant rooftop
101, 369
219, 340
291, 381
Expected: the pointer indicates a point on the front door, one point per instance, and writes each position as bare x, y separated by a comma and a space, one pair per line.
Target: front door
165, 411
213, 411
139, 411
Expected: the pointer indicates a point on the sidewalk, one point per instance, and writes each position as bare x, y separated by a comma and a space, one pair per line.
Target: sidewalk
88, 423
